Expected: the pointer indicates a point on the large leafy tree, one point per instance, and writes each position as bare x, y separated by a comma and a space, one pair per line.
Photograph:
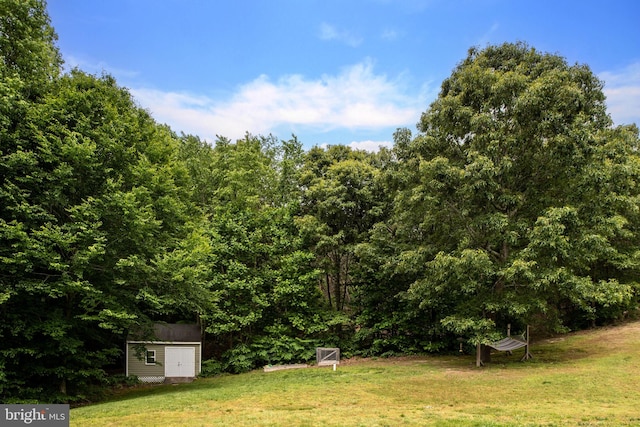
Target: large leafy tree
92, 196
519, 200
342, 200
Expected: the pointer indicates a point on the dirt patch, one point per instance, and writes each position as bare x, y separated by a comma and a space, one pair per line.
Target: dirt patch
613, 337
616, 336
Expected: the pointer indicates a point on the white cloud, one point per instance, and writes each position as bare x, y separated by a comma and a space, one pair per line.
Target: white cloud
354, 99
366, 145
373, 146
390, 34
330, 32
622, 88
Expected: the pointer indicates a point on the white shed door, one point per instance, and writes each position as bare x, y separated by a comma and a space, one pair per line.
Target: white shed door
180, 362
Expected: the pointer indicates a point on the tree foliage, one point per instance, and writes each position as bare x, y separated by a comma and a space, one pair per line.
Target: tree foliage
341, 202
262, 281
512, 203
92, 196
28, 54
92, 199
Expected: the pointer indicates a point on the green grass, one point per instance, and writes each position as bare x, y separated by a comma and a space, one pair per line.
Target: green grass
585, 379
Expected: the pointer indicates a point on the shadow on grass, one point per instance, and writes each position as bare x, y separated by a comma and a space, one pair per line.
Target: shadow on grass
148, 390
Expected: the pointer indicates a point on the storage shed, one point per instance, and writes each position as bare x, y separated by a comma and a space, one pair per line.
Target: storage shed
170, 353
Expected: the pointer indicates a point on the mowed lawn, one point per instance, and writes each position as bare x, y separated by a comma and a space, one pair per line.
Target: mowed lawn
590, 378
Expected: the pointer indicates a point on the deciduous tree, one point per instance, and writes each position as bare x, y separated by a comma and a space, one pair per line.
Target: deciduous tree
92, 197
519, 198
341, 202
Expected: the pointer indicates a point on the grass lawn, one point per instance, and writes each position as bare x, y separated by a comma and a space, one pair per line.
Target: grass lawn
589, 378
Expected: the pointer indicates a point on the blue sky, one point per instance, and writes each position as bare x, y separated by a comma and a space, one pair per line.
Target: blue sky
329, 71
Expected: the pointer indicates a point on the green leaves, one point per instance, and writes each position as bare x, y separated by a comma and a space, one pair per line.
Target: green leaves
27, 45
342, 202
523, 194
92, 194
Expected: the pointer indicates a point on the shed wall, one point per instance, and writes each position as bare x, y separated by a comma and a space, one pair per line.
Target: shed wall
138, 367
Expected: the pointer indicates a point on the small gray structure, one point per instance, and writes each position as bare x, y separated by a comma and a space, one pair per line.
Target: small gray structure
327, 356
170, 353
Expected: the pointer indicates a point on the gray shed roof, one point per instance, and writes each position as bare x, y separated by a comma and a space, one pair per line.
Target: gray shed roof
174, 332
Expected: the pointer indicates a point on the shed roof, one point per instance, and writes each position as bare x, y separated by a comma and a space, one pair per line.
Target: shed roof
172, 332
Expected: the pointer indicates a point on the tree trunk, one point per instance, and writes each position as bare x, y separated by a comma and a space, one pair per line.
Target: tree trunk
328, 283
337, 285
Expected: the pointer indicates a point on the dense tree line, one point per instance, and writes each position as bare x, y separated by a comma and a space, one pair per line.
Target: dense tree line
516, 202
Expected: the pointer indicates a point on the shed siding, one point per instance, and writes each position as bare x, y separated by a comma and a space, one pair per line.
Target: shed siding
139, 368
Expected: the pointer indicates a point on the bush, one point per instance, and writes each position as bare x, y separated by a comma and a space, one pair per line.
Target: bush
268, 350
211, 368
